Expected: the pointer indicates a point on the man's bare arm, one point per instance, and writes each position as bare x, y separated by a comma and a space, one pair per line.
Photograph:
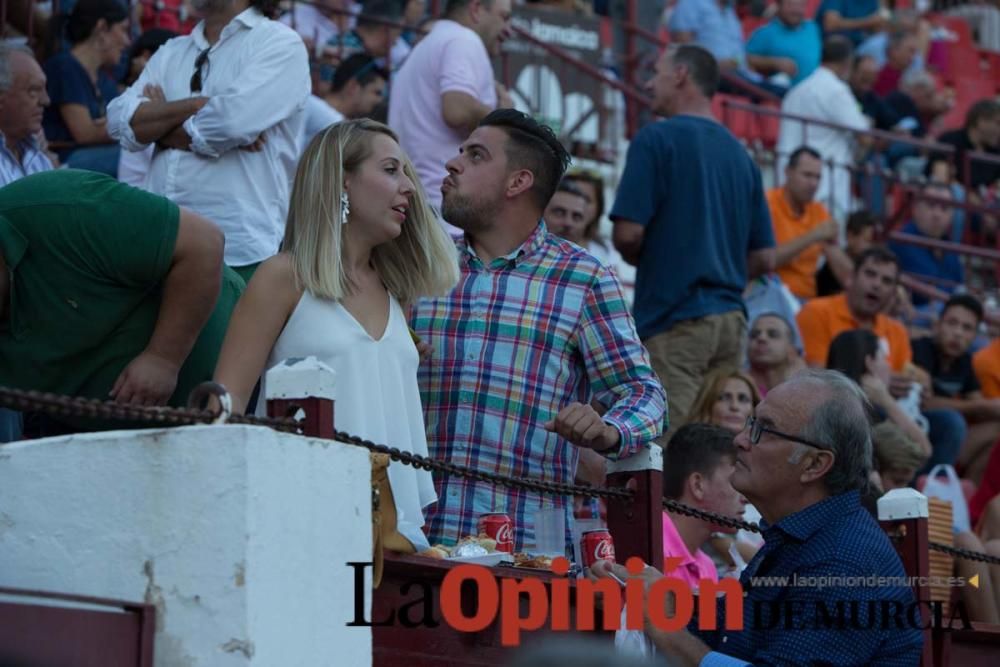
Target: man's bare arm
462, 111
760, 262
627, 237
190, 291
156, 119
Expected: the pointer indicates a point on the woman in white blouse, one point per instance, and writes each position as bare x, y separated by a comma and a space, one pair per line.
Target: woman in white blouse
361, 243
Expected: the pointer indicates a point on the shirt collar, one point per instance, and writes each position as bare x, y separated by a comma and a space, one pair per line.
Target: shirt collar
805, 523
526, 249
248, 18
29, 142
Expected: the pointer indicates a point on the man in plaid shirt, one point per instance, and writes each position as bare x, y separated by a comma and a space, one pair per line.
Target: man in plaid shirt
535, 329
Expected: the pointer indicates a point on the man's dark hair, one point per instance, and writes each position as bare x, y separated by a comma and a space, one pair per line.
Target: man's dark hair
452, 7
793, 159
880, 255
694, 448
859, 221
532, 146
269, 8
701, 66
837, 49
988, 108
361, 67
374, 13
967, 301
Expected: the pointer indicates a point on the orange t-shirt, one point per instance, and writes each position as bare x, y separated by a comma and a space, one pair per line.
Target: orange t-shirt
986, 363
820, 320
800, 273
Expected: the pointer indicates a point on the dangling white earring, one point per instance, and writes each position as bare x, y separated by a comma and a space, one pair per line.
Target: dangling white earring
345, 208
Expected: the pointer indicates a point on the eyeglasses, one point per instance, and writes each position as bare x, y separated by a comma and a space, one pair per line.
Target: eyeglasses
200, 61
757, 429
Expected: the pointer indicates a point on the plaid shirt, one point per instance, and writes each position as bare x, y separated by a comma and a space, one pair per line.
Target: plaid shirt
515, 342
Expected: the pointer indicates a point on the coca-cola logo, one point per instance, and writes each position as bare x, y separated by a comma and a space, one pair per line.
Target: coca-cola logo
605, 550
505, 534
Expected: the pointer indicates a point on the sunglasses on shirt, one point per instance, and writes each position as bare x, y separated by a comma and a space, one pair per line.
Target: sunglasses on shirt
200, 62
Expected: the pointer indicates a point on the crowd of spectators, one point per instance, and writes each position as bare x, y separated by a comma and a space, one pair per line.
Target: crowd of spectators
259, 132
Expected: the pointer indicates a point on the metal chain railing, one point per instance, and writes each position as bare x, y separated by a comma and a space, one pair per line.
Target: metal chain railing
710, 517
70, 406
967, 554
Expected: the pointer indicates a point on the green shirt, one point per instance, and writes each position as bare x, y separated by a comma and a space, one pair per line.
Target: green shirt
87, 257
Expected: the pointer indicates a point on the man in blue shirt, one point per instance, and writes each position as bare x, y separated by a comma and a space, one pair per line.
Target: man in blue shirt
713, 25
931, 220
691, 215
789, 43
854, 19
803, 460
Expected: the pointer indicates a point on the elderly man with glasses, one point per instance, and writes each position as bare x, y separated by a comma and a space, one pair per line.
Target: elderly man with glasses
224, 106
802, 460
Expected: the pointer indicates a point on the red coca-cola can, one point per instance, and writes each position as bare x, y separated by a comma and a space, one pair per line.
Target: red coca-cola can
597, 545
498, 526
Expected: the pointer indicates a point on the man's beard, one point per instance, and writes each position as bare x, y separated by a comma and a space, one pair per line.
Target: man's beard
467, 214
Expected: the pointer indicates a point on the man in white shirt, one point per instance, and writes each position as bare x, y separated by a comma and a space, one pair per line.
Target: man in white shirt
22, 99
224, 105
825, 96
446, 86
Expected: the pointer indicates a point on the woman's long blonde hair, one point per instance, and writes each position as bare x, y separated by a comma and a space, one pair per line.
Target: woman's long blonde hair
711, 387
421, 261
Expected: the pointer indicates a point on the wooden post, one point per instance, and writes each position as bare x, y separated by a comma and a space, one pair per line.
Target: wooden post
903, 515
636, 525
303, 384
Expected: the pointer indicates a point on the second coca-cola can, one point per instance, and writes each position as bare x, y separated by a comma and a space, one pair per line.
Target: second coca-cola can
498, 526
597, 545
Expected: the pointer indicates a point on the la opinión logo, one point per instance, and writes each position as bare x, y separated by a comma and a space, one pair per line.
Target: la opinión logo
550, 602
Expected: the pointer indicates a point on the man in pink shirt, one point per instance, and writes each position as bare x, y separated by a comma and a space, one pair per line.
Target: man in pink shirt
697, 465
446, 86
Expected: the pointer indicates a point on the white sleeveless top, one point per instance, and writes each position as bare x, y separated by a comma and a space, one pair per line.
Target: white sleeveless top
377, 397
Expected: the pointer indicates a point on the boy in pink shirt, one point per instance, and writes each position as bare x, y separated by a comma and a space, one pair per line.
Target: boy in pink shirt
697, 465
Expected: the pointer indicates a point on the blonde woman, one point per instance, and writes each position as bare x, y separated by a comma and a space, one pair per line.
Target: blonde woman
361, 243
726, 398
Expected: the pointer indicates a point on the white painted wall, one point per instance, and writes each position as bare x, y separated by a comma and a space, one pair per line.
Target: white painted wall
238, 535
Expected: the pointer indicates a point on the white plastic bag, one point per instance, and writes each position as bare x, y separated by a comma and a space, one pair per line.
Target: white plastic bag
632, 642
949, 489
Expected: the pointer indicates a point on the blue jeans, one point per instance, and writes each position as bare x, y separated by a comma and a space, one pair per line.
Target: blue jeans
103, 159
947, 433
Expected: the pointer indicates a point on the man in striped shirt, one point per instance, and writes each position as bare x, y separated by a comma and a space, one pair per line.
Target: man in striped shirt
535, 330
22, 100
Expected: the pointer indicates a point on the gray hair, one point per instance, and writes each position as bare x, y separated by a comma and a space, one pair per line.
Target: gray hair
579, 652
6, 51
841, 424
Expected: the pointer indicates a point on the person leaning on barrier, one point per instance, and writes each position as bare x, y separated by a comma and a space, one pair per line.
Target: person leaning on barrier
107, 291
802, 460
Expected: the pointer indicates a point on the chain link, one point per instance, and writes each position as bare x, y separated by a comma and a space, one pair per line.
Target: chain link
71, 406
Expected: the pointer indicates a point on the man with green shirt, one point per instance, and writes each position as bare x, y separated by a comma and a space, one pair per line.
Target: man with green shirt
107, 291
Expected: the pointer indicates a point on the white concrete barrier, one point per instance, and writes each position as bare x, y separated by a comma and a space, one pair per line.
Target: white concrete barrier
239, 535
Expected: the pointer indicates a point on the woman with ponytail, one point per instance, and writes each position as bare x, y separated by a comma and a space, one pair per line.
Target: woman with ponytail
79, 87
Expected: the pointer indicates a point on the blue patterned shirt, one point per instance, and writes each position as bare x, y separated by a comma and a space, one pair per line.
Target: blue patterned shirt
33, 160
516, 341
833, 538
